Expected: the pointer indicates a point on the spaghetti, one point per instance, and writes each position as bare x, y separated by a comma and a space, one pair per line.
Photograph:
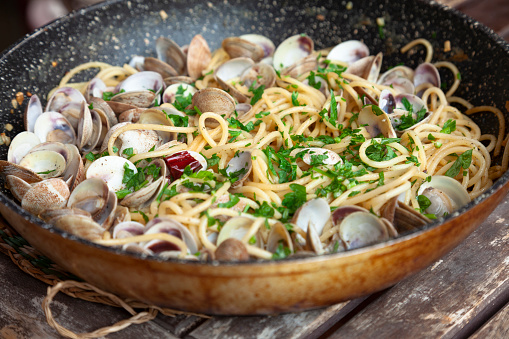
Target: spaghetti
283, 124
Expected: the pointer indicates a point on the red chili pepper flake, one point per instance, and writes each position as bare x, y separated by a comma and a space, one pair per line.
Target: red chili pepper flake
176, 163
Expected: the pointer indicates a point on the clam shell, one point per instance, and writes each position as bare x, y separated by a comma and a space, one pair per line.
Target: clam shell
48, 194
32, 112
111, 170
349, 51
80, 226
198, 56
21, 145
53, 126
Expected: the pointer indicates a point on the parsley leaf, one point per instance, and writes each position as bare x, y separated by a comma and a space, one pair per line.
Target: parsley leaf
424, 202
292, 201
258, 92
449, 127
463, 161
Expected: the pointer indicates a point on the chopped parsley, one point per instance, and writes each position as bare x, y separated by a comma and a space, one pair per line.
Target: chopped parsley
449, 126
463, 161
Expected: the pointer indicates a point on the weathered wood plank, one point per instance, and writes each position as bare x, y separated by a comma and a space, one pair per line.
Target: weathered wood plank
21, 314
443, 300
310, 324
496, 327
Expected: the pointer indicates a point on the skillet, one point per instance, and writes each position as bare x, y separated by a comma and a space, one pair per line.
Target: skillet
115, 30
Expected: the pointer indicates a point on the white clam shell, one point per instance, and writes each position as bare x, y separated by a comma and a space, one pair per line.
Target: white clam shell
53, 126
171, 92
21, 145
292, 50
48, 164
32, 112
349, 51
361, 229
111, 170
313, 213
265, 43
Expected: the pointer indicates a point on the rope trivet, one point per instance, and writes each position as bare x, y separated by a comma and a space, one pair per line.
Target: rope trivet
30, 261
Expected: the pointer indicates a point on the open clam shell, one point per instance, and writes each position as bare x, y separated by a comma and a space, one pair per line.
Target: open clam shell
21, 145
32, 112
198, 56
445, 194
292, 50
348, 51
53, 126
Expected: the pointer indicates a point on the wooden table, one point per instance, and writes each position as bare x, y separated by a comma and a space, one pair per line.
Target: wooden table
464, 294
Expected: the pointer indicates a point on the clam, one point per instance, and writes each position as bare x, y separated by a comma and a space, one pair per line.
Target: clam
315, 154
387, 101
348, 51
395, 73
50, 215
265, 43
74, 172
237, 47
259, 74
48, 164
95, 89
175, 90
80, 226
158, 66
376, 124
141, 89
169, 52
111, 170
426, 73
240, 166
315, 213
198, 56
367, 68
21, 145
232, 250
131, 115
139, 140
157, 117
402, 85
172, 227
67, 101
242, 110
181, 79
85, 127
121, 214
8, 168
401, 110
279, 235
120, 107
360, 229
238, 228
292, 50
313, 242
403, 217
232, 69
214, 100
144, 196
53, 126
93, 195
304, 65
128, 229
17, 186
48, 194
32, 112
106, 114
445, 194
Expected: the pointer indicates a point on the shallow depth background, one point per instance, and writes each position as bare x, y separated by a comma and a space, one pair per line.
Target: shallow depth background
19, 17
